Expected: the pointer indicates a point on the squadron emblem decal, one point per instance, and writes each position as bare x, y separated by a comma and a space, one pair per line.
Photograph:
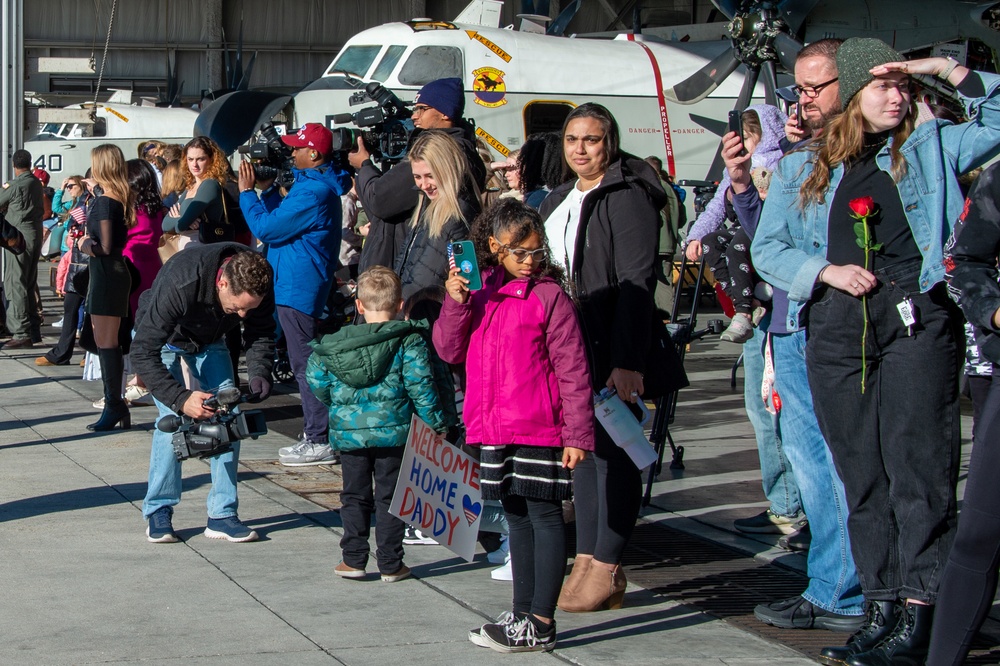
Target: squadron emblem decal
488, 87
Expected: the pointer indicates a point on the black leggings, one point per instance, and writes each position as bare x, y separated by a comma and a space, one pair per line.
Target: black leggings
970, 577
537, 553
607, 494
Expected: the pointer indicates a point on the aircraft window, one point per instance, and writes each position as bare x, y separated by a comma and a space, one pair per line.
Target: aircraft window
545, 116
355, 59
388, 63
428, 63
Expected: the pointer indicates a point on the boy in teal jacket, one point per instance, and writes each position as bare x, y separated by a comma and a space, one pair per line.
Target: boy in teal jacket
374, 377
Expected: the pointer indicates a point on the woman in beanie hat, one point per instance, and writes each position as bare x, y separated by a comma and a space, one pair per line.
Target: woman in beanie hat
855, 227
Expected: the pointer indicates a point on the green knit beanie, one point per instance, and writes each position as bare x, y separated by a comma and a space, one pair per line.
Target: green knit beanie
855, 58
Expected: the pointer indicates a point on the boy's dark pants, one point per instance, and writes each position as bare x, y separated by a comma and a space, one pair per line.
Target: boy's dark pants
359, 468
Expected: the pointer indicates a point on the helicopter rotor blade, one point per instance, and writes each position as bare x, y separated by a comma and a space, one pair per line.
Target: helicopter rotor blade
700, 84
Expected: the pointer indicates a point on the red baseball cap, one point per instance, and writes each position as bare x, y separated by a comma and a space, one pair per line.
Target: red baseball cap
311, 135
42, 175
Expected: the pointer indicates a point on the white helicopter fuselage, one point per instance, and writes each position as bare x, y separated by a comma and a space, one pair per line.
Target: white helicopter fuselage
519, 83
63, 149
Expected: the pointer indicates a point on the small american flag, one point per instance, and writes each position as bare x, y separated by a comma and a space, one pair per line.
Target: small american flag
451, 257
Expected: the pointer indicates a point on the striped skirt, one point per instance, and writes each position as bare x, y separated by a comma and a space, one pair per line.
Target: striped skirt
535, 472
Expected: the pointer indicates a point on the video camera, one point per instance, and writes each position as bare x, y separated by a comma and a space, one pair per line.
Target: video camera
385, 127
704, 191
203, 439
270, 157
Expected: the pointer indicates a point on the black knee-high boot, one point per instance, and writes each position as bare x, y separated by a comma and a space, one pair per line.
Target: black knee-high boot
115, 409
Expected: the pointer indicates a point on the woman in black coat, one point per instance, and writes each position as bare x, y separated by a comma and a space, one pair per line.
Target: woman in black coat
603, 226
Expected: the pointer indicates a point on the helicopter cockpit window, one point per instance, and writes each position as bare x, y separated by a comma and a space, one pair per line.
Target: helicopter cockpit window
545, 116
100, 127
388, 62
355, 60
428, 63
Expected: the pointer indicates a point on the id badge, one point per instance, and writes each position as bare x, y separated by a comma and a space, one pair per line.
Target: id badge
906, 312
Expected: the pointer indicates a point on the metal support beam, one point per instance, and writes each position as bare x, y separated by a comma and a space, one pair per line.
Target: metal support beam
11, 83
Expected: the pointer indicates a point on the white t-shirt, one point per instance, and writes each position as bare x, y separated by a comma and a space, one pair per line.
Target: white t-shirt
562, 226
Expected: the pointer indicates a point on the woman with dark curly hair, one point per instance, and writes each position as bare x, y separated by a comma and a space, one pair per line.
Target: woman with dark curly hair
144, 237
201, 201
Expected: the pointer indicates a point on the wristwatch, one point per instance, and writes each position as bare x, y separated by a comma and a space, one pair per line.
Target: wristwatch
952, 64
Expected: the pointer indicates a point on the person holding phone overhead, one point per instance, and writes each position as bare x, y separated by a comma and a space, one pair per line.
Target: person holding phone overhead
603, 227
449, 203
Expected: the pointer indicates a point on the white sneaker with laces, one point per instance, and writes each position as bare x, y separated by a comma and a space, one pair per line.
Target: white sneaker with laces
308, 453
503, 573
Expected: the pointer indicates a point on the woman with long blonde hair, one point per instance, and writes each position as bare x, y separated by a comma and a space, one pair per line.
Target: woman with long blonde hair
201, 200
444, 213
854, 227
110, 217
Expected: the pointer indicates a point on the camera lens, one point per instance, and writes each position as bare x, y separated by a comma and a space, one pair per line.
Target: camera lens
457, 249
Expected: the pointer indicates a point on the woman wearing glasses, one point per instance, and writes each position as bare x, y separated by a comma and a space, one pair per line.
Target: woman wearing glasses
449, 203
854, 228
603, 228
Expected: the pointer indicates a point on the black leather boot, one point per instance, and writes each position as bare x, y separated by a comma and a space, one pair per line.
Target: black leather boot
115, 409
908, 644
880, 619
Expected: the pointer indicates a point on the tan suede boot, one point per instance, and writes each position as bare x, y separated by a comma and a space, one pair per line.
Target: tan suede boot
581, 565
601, 589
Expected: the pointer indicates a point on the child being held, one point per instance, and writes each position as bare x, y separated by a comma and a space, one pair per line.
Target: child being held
727, 257
528, 404
374, 377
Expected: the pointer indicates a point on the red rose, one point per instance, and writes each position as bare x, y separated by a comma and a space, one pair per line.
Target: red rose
862, 207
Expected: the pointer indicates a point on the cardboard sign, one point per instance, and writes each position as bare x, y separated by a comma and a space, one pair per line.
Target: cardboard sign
438, 490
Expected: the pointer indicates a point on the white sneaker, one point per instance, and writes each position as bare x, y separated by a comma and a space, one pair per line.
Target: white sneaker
503, 573
309, 453
137, 395
502, 554
58, 324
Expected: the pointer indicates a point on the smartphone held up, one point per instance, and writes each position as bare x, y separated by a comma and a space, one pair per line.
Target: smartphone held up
462, 255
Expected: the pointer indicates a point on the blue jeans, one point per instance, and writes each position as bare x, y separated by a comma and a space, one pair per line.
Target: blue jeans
213, 369
775, 472
833, 578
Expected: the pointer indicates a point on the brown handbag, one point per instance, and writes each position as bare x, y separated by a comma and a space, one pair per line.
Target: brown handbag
170, 244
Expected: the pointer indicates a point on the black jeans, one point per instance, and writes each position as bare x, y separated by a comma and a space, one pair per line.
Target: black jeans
607, 494
895, 446
63, 351
359, 468
537, 553
970, 578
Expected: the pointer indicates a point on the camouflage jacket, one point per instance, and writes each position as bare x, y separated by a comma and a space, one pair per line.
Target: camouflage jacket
374, 377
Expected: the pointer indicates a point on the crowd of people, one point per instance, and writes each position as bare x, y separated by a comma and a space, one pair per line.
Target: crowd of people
836, 233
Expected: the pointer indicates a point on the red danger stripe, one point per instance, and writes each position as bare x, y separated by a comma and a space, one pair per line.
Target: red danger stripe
667, 143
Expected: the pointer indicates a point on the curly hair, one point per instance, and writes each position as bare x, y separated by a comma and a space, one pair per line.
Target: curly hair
519, 220
217, 169
142, 182
248, 272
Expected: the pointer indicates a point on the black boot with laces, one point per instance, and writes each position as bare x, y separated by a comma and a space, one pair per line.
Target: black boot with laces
880, 620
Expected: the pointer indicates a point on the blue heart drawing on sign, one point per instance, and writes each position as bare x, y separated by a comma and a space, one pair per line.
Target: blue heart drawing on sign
472, 509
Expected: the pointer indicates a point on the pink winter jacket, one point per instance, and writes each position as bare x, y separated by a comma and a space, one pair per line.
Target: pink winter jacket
526, 367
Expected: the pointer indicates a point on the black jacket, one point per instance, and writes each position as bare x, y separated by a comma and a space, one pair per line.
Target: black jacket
970, 261
612, 274
182, 309
423, 261
389, 199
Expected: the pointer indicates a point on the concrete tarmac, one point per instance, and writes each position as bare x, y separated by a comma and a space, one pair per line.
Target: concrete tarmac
79, 583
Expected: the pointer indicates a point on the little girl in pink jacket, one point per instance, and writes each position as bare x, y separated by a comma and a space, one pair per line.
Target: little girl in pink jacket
528, 404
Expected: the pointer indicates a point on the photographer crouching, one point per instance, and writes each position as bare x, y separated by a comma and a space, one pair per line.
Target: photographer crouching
197, 297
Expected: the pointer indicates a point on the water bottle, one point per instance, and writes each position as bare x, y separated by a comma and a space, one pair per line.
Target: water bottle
624, 429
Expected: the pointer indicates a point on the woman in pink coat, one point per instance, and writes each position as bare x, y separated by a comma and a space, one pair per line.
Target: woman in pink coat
144, 237
528, 404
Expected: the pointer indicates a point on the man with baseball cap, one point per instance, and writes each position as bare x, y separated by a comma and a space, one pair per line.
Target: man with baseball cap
389, 198
302, 232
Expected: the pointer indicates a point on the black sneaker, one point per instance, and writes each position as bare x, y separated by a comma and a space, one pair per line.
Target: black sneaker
769, 522
476, 635
797, 613
160, 528
521, 635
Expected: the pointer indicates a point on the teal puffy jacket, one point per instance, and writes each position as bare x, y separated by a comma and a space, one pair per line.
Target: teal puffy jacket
374, 377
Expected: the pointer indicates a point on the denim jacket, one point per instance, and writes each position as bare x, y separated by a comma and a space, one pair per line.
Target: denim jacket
789, 248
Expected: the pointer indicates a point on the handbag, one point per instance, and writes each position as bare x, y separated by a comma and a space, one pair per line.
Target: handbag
217, 232
170, 244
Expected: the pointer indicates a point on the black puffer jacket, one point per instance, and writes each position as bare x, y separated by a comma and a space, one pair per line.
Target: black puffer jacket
423, 261
970, 261
389, 199
182, 309
612, 274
